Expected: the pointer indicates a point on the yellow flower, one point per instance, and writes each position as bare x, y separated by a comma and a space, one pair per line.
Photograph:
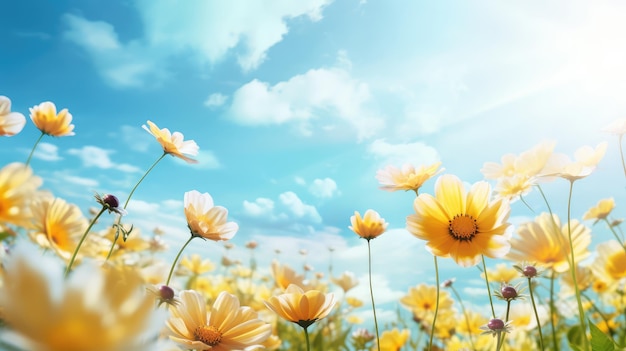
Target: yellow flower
460, 224
545, 242
11, 123
476, 320
300, 307
610, 263
58, 225
393, 340
227, 327
346, 281
352, 319
46, 119
586, 160
601, 210
95, 309
617, 127
368, 227
196, 265
206, 220
354, 302
422, 299
173, 143
18, 186
502, 274
285, 276
407, 178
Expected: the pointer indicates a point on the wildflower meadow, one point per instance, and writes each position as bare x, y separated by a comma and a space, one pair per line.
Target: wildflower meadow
83, 278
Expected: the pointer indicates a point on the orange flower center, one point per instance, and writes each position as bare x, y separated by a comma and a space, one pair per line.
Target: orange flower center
208, 334
463, 227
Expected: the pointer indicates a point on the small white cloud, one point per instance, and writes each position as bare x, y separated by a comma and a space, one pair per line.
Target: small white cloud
299, 208
85, 182
216, 100
299, 180
261, 207
47, 152
139, 206
416, 153
135, 137
324, 188
93, 156
207, 160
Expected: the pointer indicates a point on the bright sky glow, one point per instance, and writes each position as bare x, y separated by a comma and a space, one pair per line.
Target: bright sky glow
297, 104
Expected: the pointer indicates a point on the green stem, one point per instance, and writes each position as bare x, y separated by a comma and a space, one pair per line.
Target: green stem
532, 300
432, 328
369, 255
506, 319
599, 312
34, 147
93, 221
306, 336
493, 312
621, 153
525, 203
467, 321
581, 311
619, 240
169, 277
552, 312
545, 199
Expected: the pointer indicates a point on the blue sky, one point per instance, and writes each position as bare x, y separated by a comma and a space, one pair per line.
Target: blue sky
296, 105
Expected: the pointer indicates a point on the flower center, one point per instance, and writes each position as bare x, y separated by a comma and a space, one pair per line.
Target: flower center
463, 227
208, 334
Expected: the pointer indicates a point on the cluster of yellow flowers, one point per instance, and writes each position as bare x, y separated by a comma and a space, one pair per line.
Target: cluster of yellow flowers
67, 287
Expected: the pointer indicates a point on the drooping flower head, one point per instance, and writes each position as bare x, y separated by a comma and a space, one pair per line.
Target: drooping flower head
460, 224
206, 220
96, 309
228, 326
406, 178
173, 143
300, 307
370, 226
46, 119
545, 242
11, 123
346, 281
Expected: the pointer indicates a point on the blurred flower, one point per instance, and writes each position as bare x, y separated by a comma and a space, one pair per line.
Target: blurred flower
407, 178
601, 210
227, 327
460, 224
46, 119
522, 316
18, 187
300, 307
361, 337
496, 326
272, 343
368, 227
11, 123
472, 324
173, 143
195, 265
251, 245
617, 127
95, 309
285, 276
393, 340
354, 319
545, 242
584, 278
57, 225
586, 160
346, 281
354, 302
610, 262
502, 274
422, 299
206, 220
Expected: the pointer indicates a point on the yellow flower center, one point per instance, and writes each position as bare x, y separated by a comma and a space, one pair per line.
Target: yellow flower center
208, 334
463, 227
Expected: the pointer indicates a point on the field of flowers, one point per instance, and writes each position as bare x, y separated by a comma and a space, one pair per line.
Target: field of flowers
65, 286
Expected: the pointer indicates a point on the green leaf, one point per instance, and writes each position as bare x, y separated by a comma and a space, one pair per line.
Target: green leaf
599, 340
575, 337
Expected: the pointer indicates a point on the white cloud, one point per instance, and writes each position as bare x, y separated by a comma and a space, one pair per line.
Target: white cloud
329, 93
261, 207
93, 156
204, 31
139, 206
299, 208
86, 182
216, 100
207, 160
299, 180
47, 152
323, 188
290, 208
416, 153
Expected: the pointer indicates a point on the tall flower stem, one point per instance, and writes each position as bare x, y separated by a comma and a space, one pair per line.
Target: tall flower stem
621, 153
506, 319
581, 311
432, 328
493, 312
619, 240
169, 276
119, 220
30, 156
80, 243
306, 336
552, 312
532, 300
369, 256
467, 321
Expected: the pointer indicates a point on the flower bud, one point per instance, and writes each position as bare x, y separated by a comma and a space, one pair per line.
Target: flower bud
111, 201
529, 271
495, 324
508, 292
